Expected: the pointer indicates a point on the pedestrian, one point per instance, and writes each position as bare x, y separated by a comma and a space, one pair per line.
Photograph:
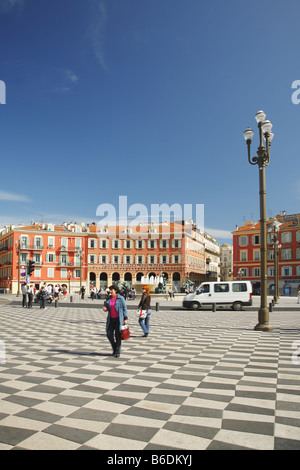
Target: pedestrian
93, 292
30, 293
171, 293
24, 289
117, 316
82, 292
43, 294
298, 296
56, 292
145, 305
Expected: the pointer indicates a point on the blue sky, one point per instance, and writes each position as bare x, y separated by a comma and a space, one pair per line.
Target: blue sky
146, 99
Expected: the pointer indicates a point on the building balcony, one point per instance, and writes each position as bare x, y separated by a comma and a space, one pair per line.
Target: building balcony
24, 247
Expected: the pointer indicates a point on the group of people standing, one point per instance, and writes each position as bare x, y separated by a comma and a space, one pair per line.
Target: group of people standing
28, 291
117, 316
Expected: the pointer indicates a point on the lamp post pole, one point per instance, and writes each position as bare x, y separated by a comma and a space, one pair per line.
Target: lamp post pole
19, 266
262, 160
275, 226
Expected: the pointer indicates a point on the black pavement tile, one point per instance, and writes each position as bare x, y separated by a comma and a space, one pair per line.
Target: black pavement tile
212, 397
38, 415
13, 436
185, 410
286, 444
8, 390
255, 427
258, 395
199, 431
24, 401
46, 389
119, 399
144, 413
70, 400
218, 445
173, 399
287, 406
256, 410
90, 414
138, 433
71, 434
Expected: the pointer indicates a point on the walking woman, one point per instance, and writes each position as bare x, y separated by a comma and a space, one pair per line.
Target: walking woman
145, 305
117, 316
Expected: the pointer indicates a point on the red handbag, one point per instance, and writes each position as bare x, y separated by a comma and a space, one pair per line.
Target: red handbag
125, 332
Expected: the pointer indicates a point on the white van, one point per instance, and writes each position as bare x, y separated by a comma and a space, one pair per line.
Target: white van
228, 293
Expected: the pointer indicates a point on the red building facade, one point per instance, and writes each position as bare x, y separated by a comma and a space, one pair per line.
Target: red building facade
246, 254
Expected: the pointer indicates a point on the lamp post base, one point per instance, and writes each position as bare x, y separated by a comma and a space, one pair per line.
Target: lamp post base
263, 327
263, 320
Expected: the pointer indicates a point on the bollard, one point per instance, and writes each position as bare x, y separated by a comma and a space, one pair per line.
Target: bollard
56, 303
157, 306
214, 307
271, 307
71, 298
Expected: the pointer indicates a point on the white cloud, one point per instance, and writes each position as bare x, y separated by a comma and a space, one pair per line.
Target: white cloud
6, 6
219, 233
71, 76
7, 196
97, 32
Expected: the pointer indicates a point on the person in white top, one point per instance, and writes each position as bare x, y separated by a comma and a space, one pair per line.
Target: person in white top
24, 294
30, 293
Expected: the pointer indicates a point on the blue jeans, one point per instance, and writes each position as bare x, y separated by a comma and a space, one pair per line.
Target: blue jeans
145, 322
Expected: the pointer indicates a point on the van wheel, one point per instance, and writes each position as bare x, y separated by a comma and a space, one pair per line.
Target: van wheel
237, 306
195, 306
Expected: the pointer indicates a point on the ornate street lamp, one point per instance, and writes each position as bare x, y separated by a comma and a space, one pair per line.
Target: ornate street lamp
262, 160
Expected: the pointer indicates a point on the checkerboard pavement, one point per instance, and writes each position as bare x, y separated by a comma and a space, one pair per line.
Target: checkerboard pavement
201, 380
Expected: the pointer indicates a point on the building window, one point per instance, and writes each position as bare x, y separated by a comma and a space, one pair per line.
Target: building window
37, 272
51, 242
256, 240
286, 237
243, 255
243, 241
256, 272
50, 258
64, 273
286, 253
256, 255
77, 273
286, 271
50, 273
104, 244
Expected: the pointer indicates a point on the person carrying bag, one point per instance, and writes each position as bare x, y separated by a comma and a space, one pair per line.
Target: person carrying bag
117, 316
144, 305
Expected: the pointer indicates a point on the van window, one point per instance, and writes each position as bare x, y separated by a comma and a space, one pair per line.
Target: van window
221, 288
239, 287
204, 289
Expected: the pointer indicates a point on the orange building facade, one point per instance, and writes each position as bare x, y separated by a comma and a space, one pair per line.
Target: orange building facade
129, 254
57, 251
78, 254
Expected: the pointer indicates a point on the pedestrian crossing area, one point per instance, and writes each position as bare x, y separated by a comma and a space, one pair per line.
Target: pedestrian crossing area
200, 381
